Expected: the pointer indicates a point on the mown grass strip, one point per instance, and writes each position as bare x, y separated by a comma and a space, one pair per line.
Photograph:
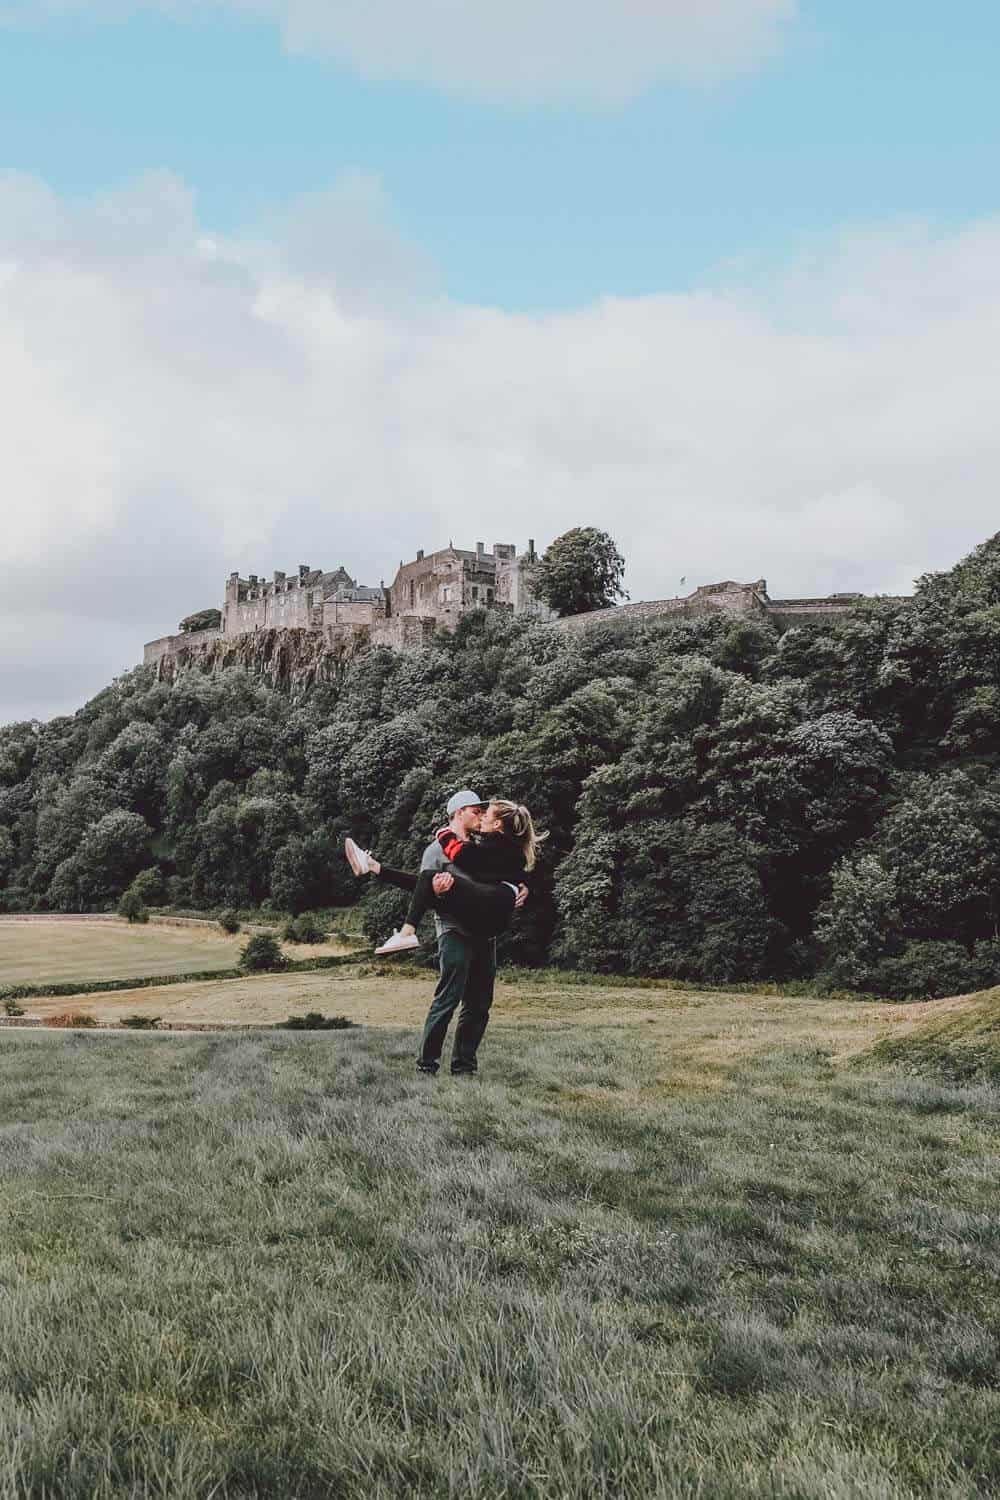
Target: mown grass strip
154, 981
792, 989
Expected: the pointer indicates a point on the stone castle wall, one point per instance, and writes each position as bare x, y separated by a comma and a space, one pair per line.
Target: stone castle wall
711, 598
173, 645
431, 591
434, 591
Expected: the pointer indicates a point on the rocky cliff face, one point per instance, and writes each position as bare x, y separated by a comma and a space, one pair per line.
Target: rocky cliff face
292, 660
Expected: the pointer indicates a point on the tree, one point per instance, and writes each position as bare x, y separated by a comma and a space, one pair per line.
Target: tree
149, 886
202, 619
853, 927
262, 954
582, 570
307, 928
131, 906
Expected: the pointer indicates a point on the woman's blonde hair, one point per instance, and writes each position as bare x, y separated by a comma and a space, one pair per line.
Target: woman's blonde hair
518, 822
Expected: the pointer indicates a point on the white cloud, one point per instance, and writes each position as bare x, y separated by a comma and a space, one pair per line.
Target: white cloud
603, 50
176, 405
595, 51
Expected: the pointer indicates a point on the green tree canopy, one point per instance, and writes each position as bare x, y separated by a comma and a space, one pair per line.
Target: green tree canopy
202, 619
580, 571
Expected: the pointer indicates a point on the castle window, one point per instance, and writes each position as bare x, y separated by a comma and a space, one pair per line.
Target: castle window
489, 596
309, 601
475, 592
413, 593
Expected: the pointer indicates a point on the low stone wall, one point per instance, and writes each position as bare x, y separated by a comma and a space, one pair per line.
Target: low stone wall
731, 603
170, 645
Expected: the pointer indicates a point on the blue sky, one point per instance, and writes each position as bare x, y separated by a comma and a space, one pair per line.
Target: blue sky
292, 281
866, 113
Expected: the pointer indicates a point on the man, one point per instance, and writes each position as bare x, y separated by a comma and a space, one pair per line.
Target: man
467, 964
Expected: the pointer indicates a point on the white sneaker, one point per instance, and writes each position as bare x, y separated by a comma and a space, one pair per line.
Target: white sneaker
399, 943
357, 858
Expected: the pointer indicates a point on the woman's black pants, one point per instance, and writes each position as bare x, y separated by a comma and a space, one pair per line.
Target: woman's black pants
482, 908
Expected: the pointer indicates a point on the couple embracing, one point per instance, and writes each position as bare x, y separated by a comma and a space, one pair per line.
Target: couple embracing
472, 875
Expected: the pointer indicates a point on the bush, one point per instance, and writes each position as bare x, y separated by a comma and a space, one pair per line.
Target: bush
262, 955
131, 906
304, 929
72, 1018
383, 909
11, 1008
928, 970
229, 921
141, 1023
180, 890
149, 887
314, 1020
202, 619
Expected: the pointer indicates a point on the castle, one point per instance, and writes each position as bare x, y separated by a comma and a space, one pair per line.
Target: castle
436, 589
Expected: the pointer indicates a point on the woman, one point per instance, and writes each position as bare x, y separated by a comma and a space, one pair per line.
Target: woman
487, 874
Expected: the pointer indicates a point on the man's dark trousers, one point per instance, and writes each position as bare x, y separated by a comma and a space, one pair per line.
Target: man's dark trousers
468, 969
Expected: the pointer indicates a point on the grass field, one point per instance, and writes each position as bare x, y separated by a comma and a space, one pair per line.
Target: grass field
701, 1032
666, 1245
33, 952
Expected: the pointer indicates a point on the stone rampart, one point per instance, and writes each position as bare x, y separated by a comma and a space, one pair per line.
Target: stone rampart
648, 610
170, 645
404, 632
728, 598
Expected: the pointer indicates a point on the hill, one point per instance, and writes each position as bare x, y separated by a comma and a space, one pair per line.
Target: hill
727, 800
956, 1039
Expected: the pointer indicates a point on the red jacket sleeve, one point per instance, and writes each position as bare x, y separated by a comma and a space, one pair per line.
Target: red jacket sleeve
451, 844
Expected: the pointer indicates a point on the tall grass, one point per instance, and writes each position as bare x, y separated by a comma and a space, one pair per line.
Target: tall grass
285, 1265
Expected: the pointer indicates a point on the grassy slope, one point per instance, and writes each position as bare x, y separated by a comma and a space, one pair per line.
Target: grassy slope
957, 1039
285, 1265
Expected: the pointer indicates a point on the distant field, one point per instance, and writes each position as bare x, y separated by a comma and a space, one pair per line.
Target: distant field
39, 952
687, 1247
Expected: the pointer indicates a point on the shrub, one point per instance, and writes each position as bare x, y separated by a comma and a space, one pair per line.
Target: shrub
141, 1023
262, 954
131, 906
304, 929
202, 619
229, 921
313, 1020
11, 1008
72, 1018
928, 970
149, 887
179, 890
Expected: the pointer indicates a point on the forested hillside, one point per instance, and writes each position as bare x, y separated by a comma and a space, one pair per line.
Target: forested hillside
724, 802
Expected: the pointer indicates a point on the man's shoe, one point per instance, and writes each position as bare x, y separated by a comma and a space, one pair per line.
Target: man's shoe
400, 942
429, 1068
464, 1072
357, 858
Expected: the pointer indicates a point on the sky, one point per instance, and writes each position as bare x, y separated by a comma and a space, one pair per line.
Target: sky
289, 281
